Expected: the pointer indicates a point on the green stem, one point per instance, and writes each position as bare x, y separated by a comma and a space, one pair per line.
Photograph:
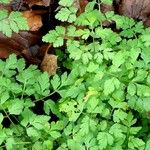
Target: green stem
99, 4
42, 99
24, 87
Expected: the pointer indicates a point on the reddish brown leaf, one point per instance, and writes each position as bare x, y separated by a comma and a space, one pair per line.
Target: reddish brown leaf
34, 20
18, 42
105, 8
80, 4
5, 51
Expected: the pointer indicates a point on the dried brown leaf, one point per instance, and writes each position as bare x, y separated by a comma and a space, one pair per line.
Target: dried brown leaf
38, 2
147, 22
137, 9
34, 20
49, 64
17, 43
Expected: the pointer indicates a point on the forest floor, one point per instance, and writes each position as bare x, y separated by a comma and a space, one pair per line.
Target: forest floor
40, 15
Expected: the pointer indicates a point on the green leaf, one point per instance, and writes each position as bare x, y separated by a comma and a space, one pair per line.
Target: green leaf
98, 58
55, 82
141, 75
146, 55
86, 57
74, 49
27, 77
104, 139
16, 107
5, 96
134, 130
146, 39
85, 34
21, 65
11, 62
116, 131
55, 134
40, 121
67, 14
12, 22
91, 18
135, 143
104, 34
28, 103
50, 105
119, 115
27, 116
56, 37
66, 3
147, 145
90, 6
1, 118
73, 145
85, 126
118, 104
143, 90
32, 132
48, 145
42, 86
10, 143
110, 85
64, 78
5, 1
140, 104
119, 59
132, 89
59, 125
37, 145
103, 125
92, 67
108, 2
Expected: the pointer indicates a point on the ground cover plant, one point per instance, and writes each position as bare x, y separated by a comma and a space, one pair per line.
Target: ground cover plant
102, 99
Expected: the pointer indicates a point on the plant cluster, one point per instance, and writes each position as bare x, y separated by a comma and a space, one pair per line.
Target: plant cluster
104, 99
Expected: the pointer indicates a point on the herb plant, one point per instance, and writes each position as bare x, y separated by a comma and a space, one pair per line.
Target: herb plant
109, 92
104, 99
11, 21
